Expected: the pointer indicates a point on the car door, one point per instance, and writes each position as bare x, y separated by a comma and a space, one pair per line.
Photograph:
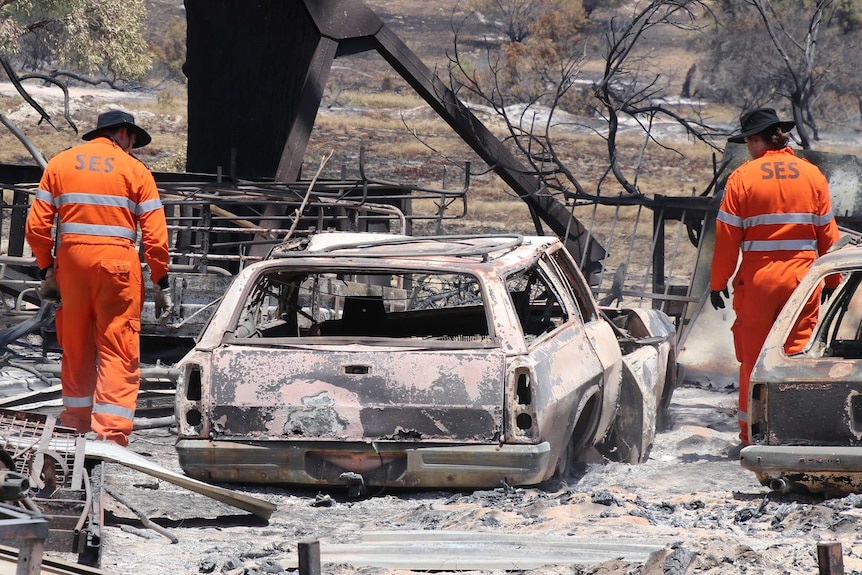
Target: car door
601, 336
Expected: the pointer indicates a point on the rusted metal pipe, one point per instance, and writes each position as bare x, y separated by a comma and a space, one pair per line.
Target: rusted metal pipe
154, 372
146, 521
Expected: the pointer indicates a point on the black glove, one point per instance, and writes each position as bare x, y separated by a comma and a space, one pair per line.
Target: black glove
826, 293
716, 299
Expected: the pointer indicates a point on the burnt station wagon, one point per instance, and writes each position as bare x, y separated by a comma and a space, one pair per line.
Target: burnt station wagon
385, 360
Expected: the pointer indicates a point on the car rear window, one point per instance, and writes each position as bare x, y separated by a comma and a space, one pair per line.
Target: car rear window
426, 305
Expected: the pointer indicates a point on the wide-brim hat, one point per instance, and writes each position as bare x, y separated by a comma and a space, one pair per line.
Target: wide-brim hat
117, 118
757, 121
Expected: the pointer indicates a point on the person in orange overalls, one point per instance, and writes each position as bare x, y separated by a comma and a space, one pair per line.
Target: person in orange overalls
776, 209
101, 194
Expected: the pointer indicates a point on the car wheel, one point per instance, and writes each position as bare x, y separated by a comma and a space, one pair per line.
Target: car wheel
582, 436
566, 461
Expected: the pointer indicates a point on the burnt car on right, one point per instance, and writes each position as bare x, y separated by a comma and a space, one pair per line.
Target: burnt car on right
805, 409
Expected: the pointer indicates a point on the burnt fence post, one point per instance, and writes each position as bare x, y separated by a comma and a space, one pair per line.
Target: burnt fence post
309, 557
829, 558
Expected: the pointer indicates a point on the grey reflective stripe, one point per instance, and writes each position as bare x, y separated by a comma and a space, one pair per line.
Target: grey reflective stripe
44, 196
97, 200
824, 219
78, 401
779, 245
729, 219
742, 416
799, 218
117, 410
149, 206
94, 230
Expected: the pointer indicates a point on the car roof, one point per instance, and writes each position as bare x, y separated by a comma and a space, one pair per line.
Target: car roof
505, 248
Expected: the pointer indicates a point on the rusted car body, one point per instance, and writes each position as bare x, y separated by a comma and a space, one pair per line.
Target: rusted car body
806, 409
417, 362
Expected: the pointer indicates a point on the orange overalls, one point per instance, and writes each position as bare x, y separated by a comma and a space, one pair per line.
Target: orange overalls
101, 194
776, 209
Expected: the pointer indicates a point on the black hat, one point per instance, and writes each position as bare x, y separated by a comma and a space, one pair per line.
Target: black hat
757, 121
117, 118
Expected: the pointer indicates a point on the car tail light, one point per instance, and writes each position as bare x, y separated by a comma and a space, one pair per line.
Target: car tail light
521, 408
189, 406
756, 410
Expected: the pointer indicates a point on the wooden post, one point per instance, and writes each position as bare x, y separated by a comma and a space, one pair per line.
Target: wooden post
830, 558
30, 556
309, 557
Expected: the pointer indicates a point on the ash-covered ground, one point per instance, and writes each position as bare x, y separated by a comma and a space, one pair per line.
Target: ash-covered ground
713, 515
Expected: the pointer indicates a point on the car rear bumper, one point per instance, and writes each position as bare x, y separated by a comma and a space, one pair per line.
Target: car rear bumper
380, 465
801, 458
817, 468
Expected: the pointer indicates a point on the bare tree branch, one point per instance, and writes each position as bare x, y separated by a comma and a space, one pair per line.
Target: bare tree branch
620, 91
802, 72
13, 77
66, 114
529, 85
112, 83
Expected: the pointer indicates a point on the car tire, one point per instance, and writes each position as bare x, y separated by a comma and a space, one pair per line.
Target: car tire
582, 436
565, 462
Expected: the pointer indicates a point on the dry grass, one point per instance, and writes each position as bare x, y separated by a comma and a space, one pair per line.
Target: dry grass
401, 136
419, 148
163, 114
378, 100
